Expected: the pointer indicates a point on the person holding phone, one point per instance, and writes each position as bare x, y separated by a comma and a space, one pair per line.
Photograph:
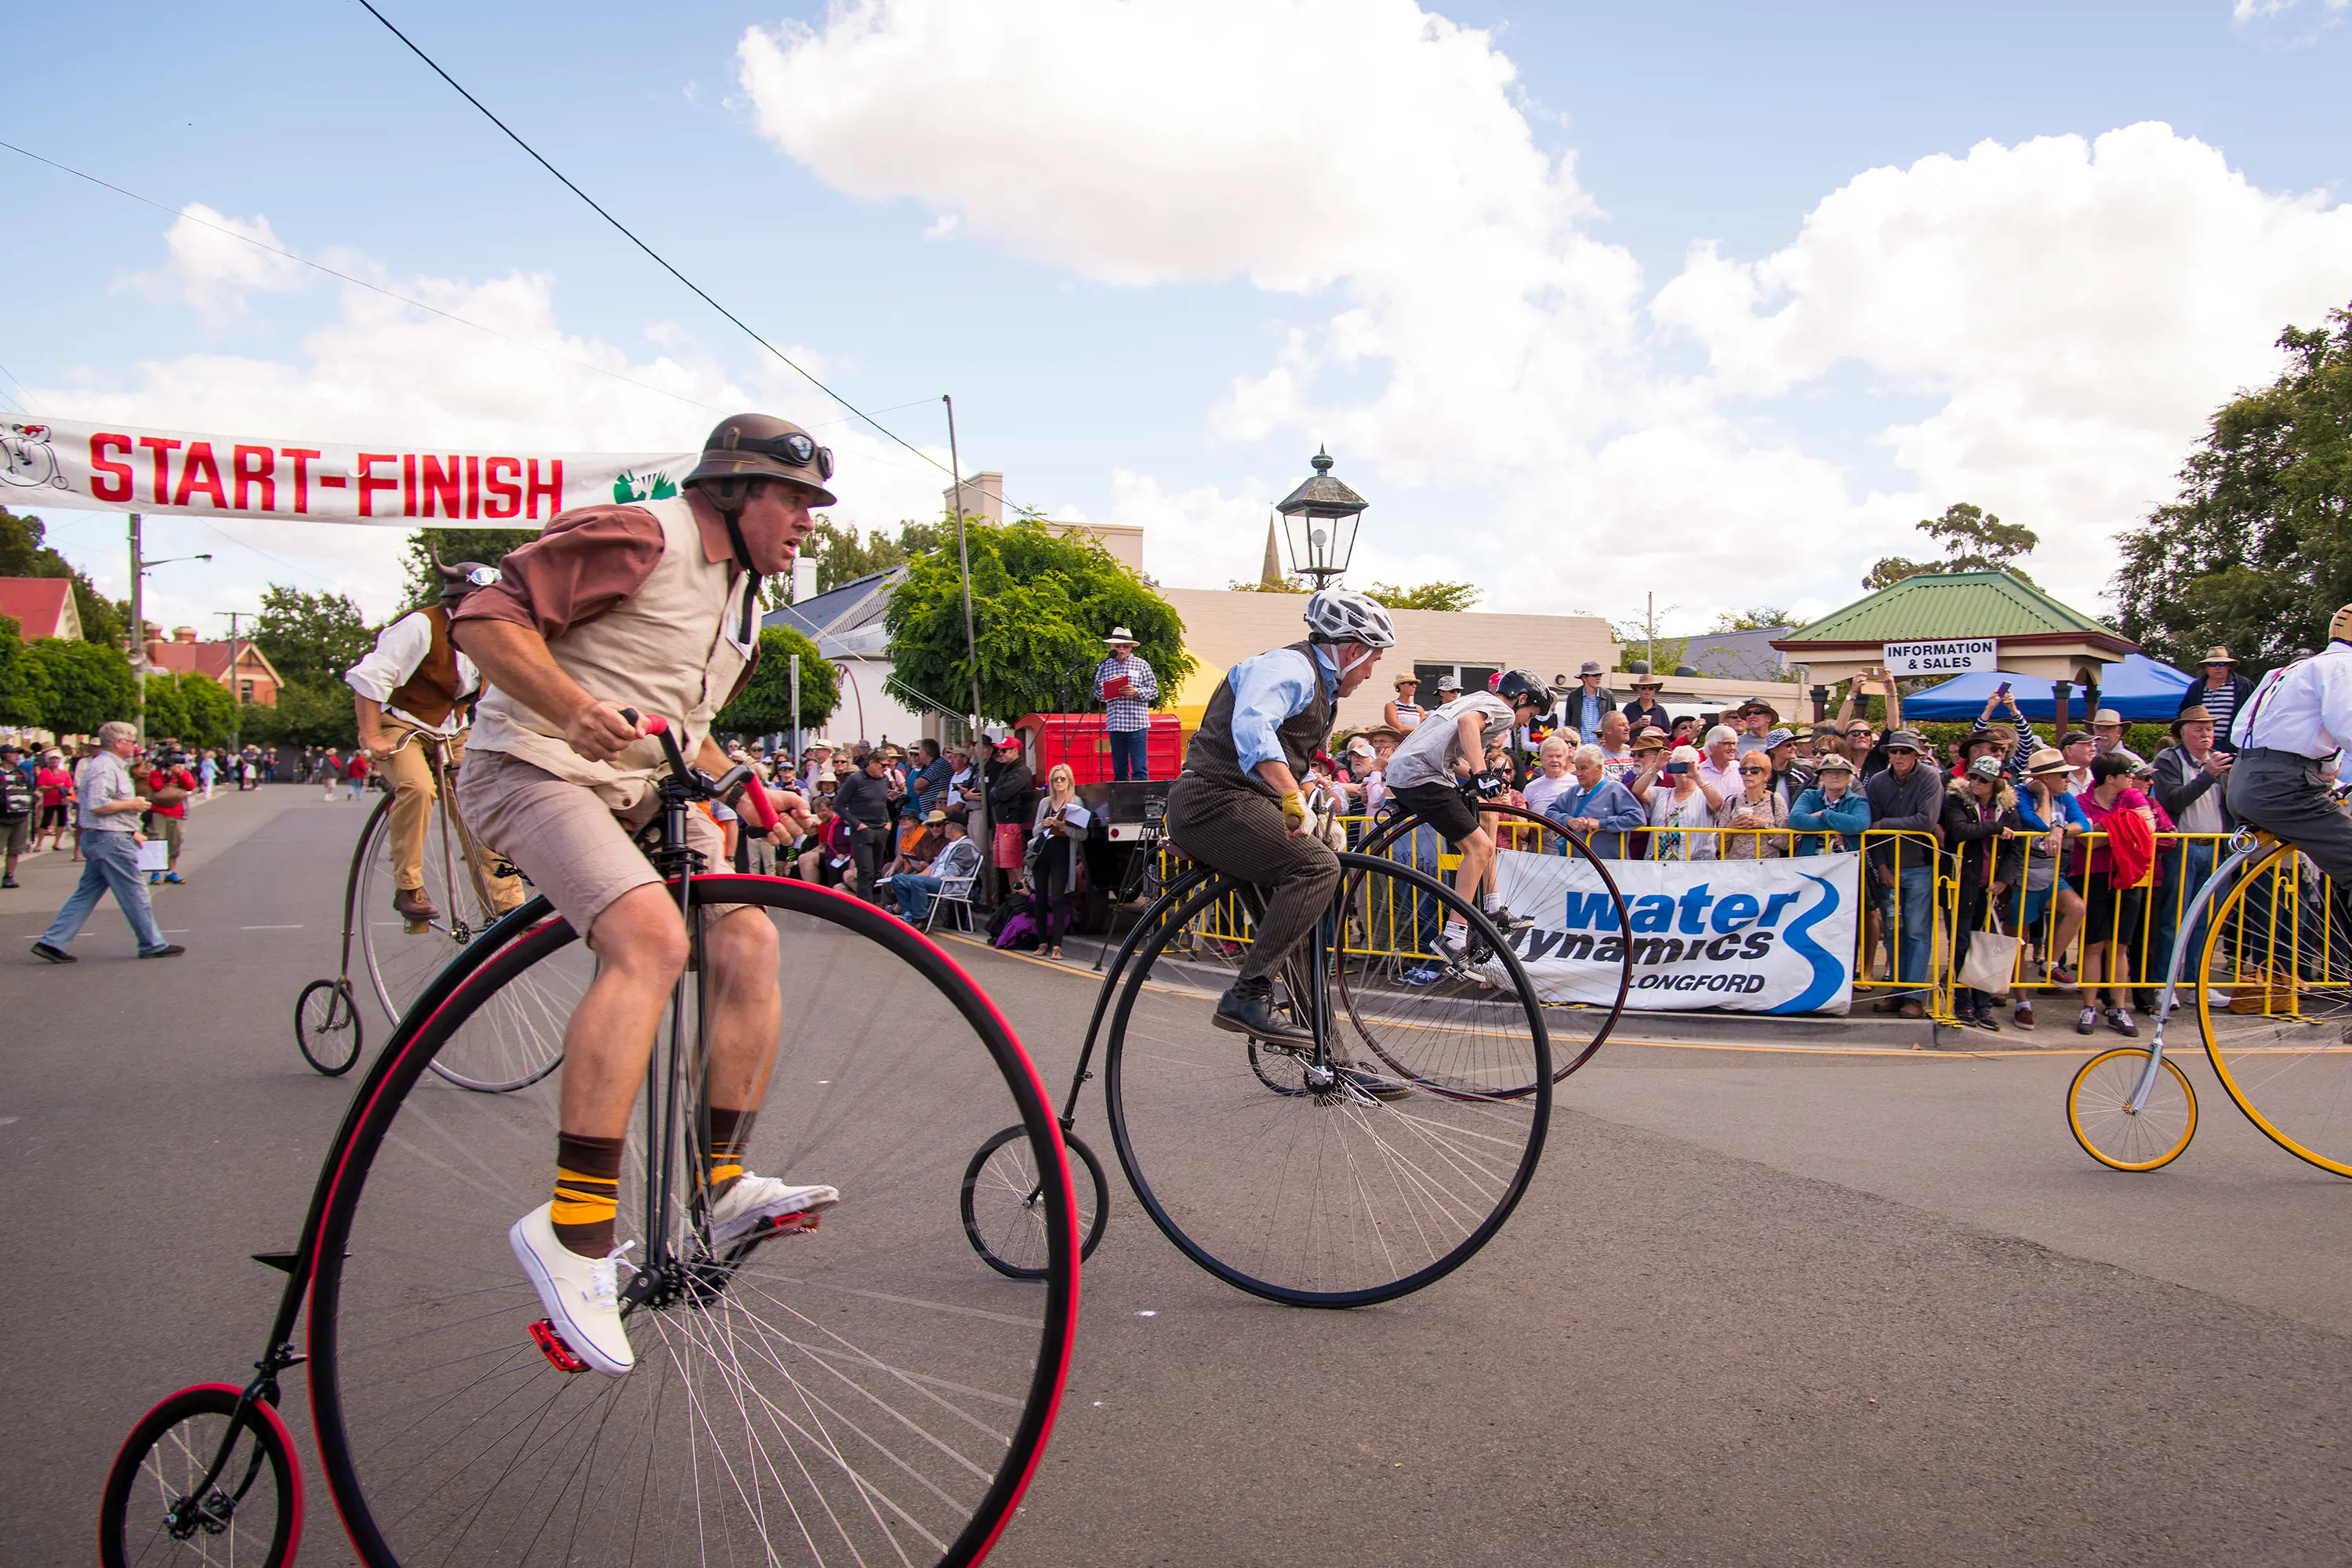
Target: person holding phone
1678, 805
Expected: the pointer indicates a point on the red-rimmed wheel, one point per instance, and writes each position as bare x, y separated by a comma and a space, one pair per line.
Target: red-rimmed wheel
862, 1392
204, 1477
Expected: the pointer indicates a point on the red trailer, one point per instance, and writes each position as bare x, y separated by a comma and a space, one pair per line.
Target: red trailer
1124, 838
1082, 740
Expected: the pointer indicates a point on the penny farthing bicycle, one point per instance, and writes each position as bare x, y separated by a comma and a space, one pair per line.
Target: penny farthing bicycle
468, 888
1356, 1170
856, 1391
2268, 930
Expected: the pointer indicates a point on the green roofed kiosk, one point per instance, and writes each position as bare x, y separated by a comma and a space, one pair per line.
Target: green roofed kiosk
1941, 624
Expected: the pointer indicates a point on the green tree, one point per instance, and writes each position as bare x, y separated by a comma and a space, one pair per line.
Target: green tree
25, 553
311, 639
306, 715
24, 690
87, 684
1041, 604
1973, 540
2256, 551
1425, 597
191, 706
764, 707
486, 545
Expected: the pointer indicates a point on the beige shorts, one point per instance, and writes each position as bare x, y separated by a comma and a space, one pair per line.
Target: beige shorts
573, 847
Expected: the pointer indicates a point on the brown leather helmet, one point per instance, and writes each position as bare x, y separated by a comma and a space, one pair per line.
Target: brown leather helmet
762, 446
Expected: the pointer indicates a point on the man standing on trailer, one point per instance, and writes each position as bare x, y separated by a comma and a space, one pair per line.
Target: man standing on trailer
1127, 687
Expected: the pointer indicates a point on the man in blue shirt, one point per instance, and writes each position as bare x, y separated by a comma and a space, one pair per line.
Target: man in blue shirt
1238, 807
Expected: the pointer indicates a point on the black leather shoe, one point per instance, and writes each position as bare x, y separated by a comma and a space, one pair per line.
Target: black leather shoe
53, 955
169, 949
1251, 1012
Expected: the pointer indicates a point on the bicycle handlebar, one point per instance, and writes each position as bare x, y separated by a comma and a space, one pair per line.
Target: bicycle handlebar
763, 810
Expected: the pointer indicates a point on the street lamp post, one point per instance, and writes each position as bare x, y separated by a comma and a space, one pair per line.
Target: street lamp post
140, 566
1320, 520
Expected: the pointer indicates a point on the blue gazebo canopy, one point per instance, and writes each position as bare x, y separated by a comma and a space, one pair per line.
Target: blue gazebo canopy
2142, 690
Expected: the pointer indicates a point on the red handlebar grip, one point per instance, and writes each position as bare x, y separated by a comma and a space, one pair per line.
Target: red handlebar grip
653, 725
763, 810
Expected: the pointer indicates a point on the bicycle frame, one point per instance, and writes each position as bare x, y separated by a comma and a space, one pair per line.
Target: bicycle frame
2246, 848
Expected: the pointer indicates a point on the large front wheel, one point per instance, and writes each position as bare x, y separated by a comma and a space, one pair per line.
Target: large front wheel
862, 1391
1346, 1176
2280, 947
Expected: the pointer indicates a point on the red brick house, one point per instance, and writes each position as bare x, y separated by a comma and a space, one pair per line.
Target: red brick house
256, 679
42, 606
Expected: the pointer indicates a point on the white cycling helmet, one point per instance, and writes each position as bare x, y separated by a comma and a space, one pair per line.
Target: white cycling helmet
1334, 615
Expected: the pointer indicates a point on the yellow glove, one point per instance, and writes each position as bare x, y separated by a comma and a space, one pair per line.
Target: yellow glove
1294, 811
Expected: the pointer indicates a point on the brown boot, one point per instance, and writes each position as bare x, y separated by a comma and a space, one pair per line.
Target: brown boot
411, 904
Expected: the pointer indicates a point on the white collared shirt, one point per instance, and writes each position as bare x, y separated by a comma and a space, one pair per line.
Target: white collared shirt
398, 650
2305, 708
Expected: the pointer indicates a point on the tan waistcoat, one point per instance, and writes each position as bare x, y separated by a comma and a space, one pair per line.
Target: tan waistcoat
668, 649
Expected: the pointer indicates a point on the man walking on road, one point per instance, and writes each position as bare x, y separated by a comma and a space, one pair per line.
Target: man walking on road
1127, 688
111, 809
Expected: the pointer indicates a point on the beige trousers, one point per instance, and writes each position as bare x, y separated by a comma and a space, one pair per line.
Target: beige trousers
409, 772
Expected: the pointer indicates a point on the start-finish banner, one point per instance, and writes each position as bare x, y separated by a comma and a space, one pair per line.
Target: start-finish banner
119, 466
1762, 936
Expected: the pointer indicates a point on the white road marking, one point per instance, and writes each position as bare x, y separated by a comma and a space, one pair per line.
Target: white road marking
270, 928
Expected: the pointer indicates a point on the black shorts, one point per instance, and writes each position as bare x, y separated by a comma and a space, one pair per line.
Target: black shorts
53, 816
1443, 806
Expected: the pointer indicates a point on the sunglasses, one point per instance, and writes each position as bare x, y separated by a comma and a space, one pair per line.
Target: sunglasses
795, 448
1756, 770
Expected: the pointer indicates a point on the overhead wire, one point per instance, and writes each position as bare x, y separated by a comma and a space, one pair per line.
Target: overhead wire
659, 260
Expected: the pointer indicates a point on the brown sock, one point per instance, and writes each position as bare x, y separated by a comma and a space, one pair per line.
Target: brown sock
587, 1191
729, 1132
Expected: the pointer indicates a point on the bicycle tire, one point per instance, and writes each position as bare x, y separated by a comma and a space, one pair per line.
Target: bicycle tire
2293, 1079
1340, 1197
1011, 1235
327, 1027
2098, 1113
1595, 1021
416, 1308
399, 967
158, 1456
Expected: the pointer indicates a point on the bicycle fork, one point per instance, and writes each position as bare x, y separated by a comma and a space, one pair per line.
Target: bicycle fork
2191, 918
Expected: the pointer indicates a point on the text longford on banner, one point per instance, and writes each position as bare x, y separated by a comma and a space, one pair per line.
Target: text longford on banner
66, 463
1761, 936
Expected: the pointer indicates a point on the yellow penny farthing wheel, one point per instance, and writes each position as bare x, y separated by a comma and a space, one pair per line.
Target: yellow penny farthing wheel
2279, 948
2117, 1132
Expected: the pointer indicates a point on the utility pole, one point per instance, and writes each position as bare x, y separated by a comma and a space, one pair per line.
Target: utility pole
796, 712
138, 634
970, 637
1649, 626
237, 725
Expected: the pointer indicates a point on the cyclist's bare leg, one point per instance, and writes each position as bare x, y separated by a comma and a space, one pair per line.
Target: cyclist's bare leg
747, 1008
640, 947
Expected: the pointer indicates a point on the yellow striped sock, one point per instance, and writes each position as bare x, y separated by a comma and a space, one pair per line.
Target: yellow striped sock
581, 1199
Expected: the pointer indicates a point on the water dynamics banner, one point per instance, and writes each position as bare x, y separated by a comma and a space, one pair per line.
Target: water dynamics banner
64, 462
1761, 936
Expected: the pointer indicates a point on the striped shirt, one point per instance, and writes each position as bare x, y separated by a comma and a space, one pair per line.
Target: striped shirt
1132, 712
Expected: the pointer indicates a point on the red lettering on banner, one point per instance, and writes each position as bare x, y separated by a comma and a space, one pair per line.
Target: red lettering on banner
255, 467
200, 473
505, 495
368, 483
553, 489
162, 446
408, 484
473, 486
434, 480
101, 442
301, 457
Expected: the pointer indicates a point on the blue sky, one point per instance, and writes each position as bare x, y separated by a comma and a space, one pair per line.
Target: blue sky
1785, 434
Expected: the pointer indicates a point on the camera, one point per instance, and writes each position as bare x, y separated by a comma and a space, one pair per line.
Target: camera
1673, 768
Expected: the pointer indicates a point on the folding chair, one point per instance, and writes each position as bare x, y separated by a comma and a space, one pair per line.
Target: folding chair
955, 890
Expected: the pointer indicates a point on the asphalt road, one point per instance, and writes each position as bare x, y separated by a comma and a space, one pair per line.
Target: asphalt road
1758, 1307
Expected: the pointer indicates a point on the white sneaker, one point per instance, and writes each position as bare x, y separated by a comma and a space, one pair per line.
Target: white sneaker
1454, 941
758, 1204
581, 1295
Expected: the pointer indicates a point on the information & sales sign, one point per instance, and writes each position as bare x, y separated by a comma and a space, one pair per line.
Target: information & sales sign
1953, 655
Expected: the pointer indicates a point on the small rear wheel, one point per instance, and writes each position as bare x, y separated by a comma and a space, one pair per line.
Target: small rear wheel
158, 1508
1003, 1204
2099, 1112
327, 1027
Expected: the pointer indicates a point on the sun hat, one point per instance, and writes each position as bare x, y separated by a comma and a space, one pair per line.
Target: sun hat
1836, 763
1122, 638
2107, 716
1407, 678
1775, 739
1358, 747
1650, 740
2195, 714
1985, 768
1449, 683
1905, 741
2048, 761
1589, 667
935, 815
2217, 654
1646, 679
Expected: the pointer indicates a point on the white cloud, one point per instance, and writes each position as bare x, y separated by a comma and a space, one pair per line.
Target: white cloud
211, 268
2071, 310
2255, 10
382, 371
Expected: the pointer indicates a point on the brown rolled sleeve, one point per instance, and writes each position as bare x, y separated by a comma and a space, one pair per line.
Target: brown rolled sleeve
586, 562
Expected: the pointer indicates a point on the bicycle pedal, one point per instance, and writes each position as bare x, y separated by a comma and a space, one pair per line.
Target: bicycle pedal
785, 1224
416, 928
551, 1344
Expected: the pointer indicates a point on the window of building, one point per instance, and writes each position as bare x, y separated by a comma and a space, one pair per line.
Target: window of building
1472, 677
245, 692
